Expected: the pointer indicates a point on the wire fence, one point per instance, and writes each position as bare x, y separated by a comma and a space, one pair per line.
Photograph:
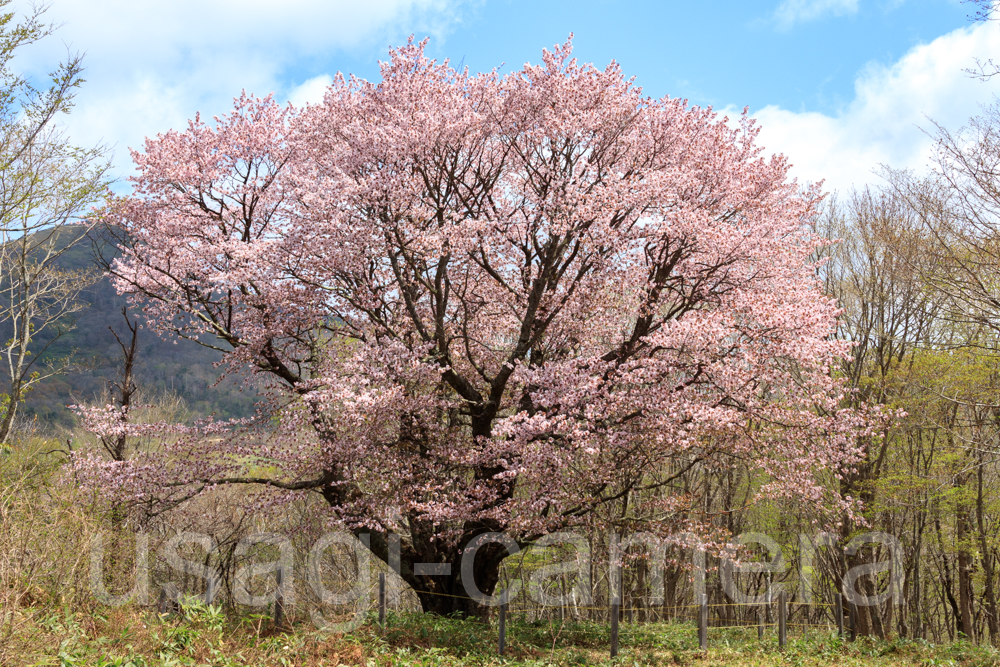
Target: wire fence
766, 623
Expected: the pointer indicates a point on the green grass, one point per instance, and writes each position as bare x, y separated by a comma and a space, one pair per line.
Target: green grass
206, 636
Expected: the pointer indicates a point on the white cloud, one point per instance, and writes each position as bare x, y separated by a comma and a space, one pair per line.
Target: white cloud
310, 91
790, 12
152, 65
886, 123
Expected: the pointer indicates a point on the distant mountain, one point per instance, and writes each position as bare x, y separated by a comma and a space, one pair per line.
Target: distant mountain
182, 367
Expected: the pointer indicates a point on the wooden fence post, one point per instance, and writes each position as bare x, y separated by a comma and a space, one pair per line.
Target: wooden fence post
782, 619
853, 609
703, 622
760, 624
502, 646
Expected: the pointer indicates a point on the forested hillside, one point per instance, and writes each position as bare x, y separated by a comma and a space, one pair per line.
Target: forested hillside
165, 366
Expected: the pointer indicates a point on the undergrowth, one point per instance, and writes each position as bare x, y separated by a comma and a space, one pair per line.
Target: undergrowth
135, 637
48, 615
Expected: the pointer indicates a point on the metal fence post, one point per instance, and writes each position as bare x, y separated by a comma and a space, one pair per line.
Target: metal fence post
615, 609
502, 645
381, 599
210, 591
615, 586
703, 622
782, 619
838, 612
279, 597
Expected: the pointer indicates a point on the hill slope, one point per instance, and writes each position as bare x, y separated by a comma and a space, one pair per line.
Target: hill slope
182, 367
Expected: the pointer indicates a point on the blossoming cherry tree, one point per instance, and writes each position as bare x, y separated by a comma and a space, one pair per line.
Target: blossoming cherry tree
489, 303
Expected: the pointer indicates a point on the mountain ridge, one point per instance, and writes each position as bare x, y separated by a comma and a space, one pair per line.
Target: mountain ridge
164, 366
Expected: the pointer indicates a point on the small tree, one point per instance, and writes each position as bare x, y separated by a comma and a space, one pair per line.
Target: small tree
47, 185
492, 303
122, 391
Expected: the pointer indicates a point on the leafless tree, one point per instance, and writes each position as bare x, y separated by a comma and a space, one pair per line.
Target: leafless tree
958, 206
983, 10
123, 389
47, 186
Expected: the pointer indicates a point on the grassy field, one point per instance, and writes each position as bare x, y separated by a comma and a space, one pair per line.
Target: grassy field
132, 637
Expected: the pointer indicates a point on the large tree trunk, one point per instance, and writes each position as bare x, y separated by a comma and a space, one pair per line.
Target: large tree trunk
428, 564
434, 571
446, 595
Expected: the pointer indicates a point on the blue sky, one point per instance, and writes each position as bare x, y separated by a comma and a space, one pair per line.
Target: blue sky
838, 85
799, 55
